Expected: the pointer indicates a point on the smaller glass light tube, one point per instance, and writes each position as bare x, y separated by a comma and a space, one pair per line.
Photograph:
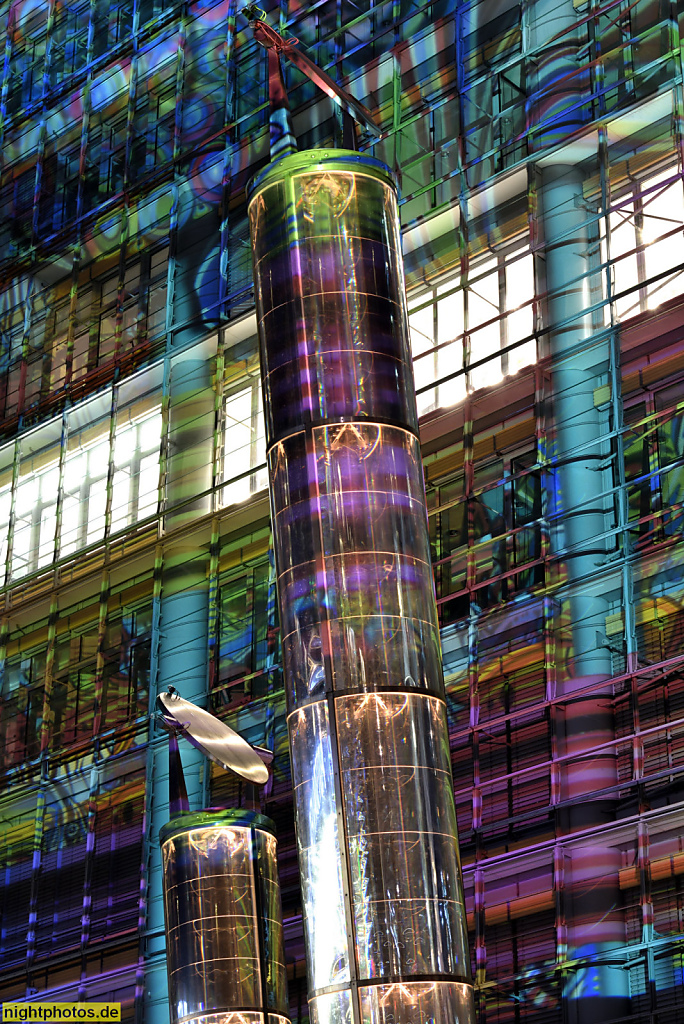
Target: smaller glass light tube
224, 930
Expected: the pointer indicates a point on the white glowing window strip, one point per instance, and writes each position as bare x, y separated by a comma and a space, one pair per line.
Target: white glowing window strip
83, 485
646, 241
500, 290
244, 441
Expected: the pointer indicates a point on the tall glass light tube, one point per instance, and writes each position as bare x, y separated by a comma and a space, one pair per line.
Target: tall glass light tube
382, 894
224, 926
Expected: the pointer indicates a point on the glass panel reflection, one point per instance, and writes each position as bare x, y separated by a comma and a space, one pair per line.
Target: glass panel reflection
350, 532
418, 1003
318, 846
401, 828
223, 917
329, 287
376, 824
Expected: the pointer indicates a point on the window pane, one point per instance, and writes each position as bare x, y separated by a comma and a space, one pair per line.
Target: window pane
484, 342
121, 492
483, 294
148, 484
70, 525
97, 502
623, 240
244, 444
46, 544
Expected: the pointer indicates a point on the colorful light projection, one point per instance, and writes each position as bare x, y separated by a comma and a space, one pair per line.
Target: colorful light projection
378, 855
223, 918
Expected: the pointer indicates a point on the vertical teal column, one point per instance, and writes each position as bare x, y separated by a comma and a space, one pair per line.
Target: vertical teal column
183, 624
596, 990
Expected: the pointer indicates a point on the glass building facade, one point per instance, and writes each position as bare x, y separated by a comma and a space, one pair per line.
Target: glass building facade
538, 151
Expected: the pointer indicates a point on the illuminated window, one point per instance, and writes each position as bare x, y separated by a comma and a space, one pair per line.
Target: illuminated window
456, 329
134, 470
77, 480
244, 444
96, 472
35, 497
646, 225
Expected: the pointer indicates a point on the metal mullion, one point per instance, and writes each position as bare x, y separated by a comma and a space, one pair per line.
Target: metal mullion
28, 318
64, 441
5, 630
6, 65
100, 658
42, 138
35, 881
338, 60
253, 430
637, 218
503, 318
175, 188
180, 85
464, 268
214, 612
128, 177
48, 714
171, 273
135, 466
559, 890
164, 449
73, 306
12, 518
111, 470
120, 297
434, 347
136, 27
678, 86
90, 42
396, 109
618, 426
541, 406
479, 908
228, 119
91, 822
149, 841
49, 26
95, 319
219, 453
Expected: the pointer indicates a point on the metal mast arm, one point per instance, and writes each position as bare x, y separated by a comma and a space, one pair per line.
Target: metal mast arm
272, 40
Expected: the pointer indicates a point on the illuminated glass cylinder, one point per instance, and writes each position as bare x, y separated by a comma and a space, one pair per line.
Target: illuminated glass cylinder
224, 930
382, 895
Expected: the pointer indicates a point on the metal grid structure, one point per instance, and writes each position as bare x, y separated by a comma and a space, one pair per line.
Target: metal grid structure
128, 136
